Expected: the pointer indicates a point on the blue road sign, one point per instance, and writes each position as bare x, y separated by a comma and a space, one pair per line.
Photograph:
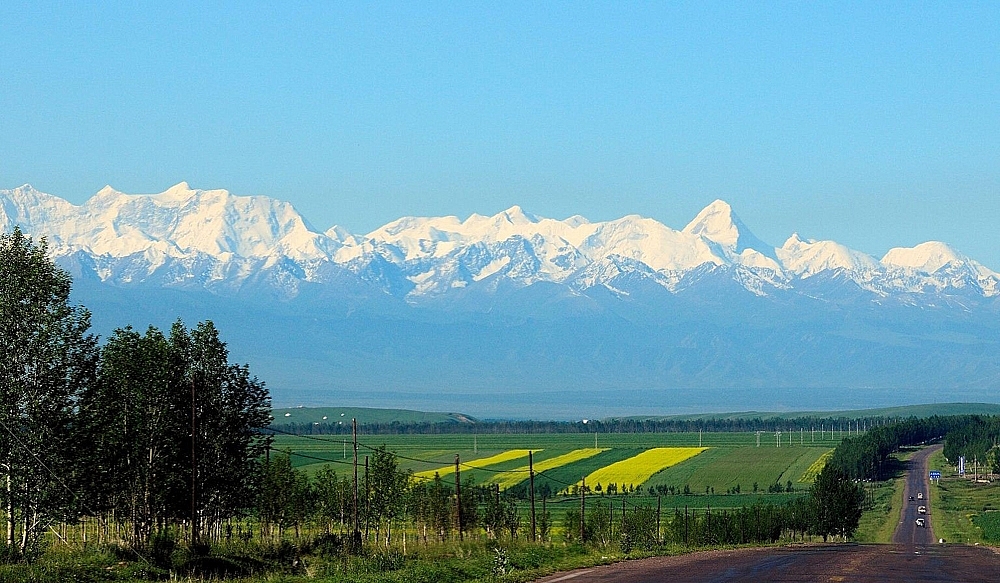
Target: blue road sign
935, 475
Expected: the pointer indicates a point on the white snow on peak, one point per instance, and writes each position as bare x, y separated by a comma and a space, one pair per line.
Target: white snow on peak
221, 239
649, 241
809, 257
716, 222
177, 222
926, 257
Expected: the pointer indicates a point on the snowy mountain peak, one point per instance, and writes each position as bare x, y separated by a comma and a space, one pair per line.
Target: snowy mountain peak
716, 222
926, 257
515, 215
809, 257
792, 241
719, 224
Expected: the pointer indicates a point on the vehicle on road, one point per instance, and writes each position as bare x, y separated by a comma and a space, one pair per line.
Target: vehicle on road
920, 495
911, 498
921, 523
922, 509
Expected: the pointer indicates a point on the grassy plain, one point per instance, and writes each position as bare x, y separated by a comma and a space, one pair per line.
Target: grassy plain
640, 467
730, 458
514, 477
477, 464
725, 468
879, 521
957, 502
809, 476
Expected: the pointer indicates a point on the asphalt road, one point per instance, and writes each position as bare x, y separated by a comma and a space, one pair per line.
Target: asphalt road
907, 531
913, 556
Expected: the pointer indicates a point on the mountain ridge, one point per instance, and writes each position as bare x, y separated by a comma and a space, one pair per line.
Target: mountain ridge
512, 312
184, 236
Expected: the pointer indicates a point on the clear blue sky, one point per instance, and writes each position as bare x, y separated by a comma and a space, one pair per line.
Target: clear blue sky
875, 124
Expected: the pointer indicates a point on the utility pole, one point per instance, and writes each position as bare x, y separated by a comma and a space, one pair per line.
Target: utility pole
357, 524
777, 439
758, 439
531, 490
368, 501
583, 508
685, 525
658, 539
801, 438
699, 438
458, 499
624, 512
194, 468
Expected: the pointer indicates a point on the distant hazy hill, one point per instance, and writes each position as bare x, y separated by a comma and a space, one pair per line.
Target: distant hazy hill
344, 415
927, 410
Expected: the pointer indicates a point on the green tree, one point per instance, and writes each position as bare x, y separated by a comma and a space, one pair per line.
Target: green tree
387, 491
134, 418
837, 503
229, 409
48, 359
333, 498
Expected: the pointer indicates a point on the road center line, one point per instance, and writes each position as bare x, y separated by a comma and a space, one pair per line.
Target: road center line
570, 576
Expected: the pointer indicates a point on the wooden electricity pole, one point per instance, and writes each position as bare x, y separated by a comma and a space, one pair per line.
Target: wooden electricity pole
194, 469
458, 499
356, 537
531, 490
583, 509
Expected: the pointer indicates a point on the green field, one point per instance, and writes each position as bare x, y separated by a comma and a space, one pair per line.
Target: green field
989, 524
958, 503
730, 458
724, 468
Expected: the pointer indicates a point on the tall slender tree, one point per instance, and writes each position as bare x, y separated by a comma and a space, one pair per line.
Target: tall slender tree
48, 358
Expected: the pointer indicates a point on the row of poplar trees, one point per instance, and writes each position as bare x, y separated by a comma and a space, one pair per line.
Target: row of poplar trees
146, 430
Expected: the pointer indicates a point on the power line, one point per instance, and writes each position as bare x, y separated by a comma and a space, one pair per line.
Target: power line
76, 496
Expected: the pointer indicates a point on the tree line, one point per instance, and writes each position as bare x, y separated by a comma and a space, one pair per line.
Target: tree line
864, 457
148, 431
835, 427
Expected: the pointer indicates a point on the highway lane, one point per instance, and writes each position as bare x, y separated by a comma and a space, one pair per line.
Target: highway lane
917, 482
845, 562
913, 556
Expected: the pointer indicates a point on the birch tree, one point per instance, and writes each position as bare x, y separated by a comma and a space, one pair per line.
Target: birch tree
47, 358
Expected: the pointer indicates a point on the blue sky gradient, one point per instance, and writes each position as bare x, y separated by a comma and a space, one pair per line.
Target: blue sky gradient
874, 124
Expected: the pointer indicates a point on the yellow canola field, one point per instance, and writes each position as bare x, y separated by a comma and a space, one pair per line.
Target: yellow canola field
817, 466
516, 476
476, 464
637, 469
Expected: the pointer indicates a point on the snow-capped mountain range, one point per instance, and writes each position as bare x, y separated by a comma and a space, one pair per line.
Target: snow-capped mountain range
514, 313
212, 239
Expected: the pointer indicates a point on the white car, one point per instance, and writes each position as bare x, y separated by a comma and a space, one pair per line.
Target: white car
920, 522
922, 509
920, 495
